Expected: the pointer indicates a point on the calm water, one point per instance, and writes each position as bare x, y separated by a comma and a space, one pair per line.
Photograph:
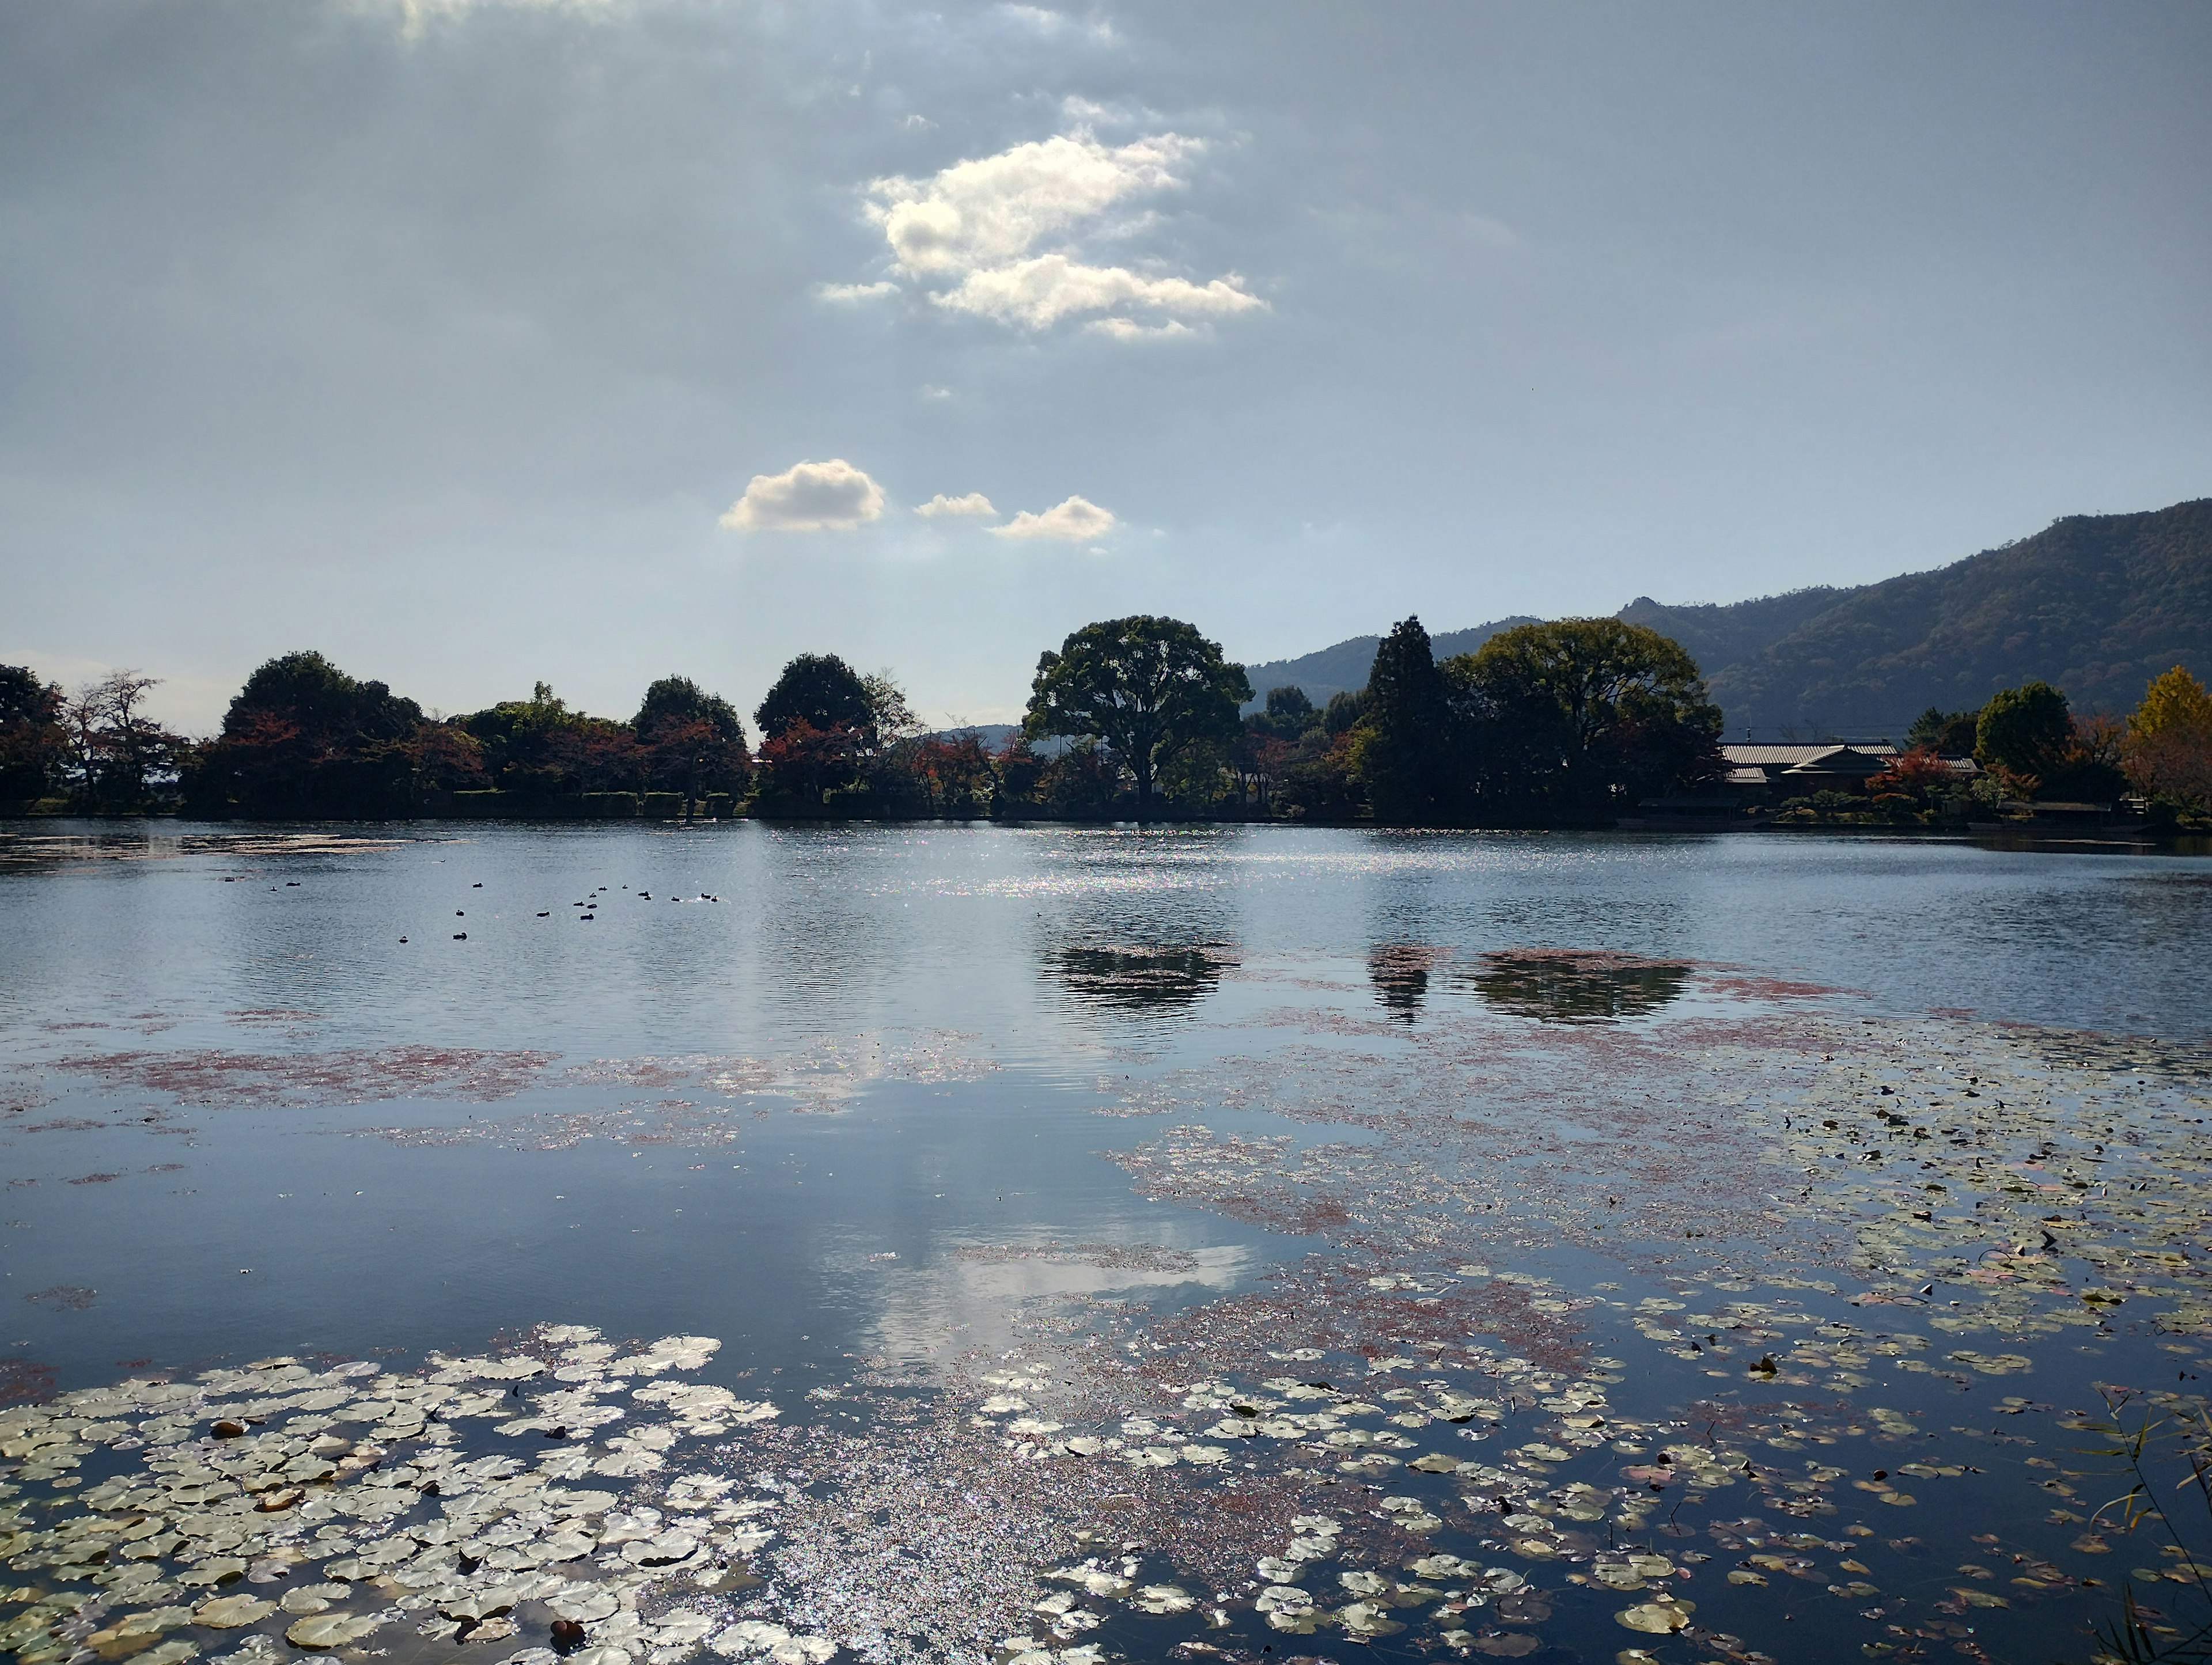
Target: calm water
825, 1093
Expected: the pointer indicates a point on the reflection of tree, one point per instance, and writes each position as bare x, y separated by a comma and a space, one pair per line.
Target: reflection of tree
1141, 978
1400, 974
1567, 986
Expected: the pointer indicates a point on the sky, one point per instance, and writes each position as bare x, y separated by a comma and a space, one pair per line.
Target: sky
480, 342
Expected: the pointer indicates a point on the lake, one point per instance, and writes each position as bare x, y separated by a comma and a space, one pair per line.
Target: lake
644, 1242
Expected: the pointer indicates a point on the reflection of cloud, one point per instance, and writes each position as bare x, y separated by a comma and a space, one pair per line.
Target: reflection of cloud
1566, 985
831, 497
1072, 519
956, 1304
1000, 237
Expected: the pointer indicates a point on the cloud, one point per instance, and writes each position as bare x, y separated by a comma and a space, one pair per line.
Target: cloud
996, 208
1037, 294
974, 503
1071, 520
416, 16
1045, 22
854, 294
831, 497
1128, 329
972, 233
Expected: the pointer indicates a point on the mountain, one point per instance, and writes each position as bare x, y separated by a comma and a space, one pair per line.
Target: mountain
1718, 635
1332, 670
2097, 605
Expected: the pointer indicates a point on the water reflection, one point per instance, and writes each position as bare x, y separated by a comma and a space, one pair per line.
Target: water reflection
1400, 972
1141, 977
1564, 986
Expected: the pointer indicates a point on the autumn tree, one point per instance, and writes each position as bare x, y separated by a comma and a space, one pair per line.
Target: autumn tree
2167, 749
1148, 688
116, 755
694, 742
304, 738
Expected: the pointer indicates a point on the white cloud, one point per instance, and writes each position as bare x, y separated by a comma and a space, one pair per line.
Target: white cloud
831, 497
974, 503
1037, 294
997, 207
1045, 22
1128, 329
853, 293
972, 234
1071, 521
416, 16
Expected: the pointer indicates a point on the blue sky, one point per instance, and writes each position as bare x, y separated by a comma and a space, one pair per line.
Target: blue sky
479, 342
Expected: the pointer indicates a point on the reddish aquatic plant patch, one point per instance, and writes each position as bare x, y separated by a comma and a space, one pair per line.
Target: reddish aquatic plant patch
215, 1078
25, 1382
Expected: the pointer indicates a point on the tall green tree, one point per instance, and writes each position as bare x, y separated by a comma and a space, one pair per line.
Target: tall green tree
1149, 688
1401, 748
1946, 733
823, 692
2025, 732
679, 699
1578, 719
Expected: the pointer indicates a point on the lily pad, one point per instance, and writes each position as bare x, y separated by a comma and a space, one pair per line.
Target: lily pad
230, 1612
1655, 1618
319, 1631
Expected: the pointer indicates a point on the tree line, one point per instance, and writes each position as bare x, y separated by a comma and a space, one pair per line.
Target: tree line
1567, 723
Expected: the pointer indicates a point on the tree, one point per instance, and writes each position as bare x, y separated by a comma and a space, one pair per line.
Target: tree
119, 757
1946, 733
2024, 733
823, 692
953, 775
892, 718
1345, 707
694, 742
2167, 750
1401, 745
811, 762
1578, 719
679, 699
1289, 713
303, 738
33, 745
1148, 688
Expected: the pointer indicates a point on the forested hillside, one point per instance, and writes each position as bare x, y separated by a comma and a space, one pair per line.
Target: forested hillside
2096, 605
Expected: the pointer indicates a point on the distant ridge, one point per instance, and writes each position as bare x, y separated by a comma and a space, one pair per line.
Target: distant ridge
1333, 669
2095, 603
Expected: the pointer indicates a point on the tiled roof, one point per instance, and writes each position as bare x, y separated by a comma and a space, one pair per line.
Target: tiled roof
1786, 756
